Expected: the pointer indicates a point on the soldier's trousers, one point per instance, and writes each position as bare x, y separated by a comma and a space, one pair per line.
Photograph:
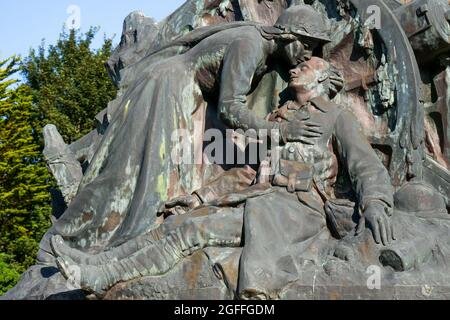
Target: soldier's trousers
184, 235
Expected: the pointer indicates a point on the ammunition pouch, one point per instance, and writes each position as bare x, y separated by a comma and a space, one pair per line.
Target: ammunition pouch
294, 175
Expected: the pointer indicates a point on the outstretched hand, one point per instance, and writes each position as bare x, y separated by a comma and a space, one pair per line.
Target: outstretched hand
180, 205
376, 219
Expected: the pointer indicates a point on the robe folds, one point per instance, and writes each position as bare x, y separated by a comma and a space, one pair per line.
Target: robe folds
140, 162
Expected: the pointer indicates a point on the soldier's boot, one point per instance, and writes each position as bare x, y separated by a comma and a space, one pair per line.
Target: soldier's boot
162, 256
61, 249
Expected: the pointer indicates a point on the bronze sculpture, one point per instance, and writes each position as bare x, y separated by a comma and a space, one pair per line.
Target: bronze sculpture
384, 72
227, 61
313, 83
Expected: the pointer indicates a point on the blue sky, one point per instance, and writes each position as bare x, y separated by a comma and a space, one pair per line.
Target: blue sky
24, 23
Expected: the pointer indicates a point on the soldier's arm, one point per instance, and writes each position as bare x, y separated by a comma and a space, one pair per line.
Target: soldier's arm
370, 178
242, 59
231, 181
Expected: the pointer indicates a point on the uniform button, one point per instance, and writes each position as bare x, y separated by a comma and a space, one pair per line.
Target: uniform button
291, 149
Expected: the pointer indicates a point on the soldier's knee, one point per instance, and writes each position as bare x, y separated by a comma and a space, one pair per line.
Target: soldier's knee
195, 230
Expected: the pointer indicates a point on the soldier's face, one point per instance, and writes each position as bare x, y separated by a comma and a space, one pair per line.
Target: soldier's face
307, 75
295, 52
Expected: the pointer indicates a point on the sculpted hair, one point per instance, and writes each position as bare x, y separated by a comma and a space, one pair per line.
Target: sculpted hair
334, 82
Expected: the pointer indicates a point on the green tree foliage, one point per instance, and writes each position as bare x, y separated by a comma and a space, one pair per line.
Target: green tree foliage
24, 179
65, 84
70, 82
9, 273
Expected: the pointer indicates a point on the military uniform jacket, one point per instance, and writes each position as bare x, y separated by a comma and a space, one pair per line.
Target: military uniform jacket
343, 146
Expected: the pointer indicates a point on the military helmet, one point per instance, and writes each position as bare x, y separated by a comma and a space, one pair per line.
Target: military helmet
420, 198
303, 20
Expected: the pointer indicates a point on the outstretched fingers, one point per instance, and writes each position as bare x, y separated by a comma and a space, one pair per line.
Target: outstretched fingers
383, 231
180, 201
376, 233
311, 134
307, 141
312, 124
394, 237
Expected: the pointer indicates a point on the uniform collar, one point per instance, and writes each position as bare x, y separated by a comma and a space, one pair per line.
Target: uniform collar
322, 104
